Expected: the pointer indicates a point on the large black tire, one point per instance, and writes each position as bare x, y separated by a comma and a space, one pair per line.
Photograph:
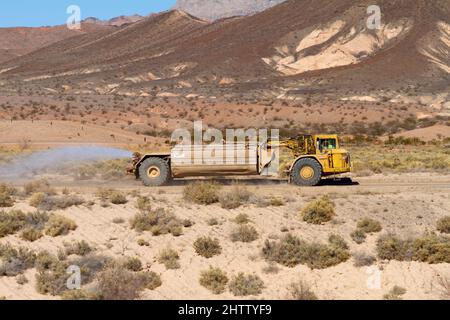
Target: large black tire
154, 172
306, 172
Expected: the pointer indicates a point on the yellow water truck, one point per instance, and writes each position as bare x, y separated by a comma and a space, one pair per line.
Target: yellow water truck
311, 158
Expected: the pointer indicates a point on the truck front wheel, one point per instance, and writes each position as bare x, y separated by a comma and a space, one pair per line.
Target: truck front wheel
306, 172
154, 172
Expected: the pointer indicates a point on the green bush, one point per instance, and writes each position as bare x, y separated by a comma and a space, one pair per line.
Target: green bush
214, 280
319, 211
246, 285
291, 251
203, 193
207, 247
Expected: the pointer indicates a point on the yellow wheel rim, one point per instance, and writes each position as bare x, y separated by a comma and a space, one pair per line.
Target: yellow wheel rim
153, 172
307, 173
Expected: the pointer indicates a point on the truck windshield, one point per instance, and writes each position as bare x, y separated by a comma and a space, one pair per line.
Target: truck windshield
326, 144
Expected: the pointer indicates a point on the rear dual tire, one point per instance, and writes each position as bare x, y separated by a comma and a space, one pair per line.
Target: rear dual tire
306, 172
154, 172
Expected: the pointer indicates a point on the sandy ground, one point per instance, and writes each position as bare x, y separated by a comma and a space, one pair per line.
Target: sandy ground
404, 204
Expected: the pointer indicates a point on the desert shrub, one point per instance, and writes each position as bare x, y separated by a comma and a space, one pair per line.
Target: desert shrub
319, 211
429, 248
14, 261
207, 247
301, 291
143, 243
271, 267
443, 225
112, 196
38, 186
37, 220
444, 286
90, 265
244, 233
246, 285
395, 293
170, 258
79, 295
276, 202
79, 248
214, 280
358, 236
150, 280
362, 259
235, 198
368, 225
118, 283
58, 226
242, 218
143, 204
21, 279
6, 200
212, 222
11, 222
7, 189
204, 193
132, 264
52, 281
46, 202
118, 220
158, 222
31, 234
291, 251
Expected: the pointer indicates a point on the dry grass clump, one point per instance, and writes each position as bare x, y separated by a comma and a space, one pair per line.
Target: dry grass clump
11, 222
59, 226
111, 196
291, 251
443, 225
38, 186
237, 197
132, 264
203, 193
362, 259
207, 247
364, 227
246, 285
429, 248
119, 283
143, 204
79, 295
395, 293
158, 222
244, 233
319, 211
79, 248
14, 261
47, 202
31, 234
242, 218
444, 286
214, 280
301, 291
6, 193
169, 258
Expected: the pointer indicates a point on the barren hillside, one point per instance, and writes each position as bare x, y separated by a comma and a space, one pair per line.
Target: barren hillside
296, 48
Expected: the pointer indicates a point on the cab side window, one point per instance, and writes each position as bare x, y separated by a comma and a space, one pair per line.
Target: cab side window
326, 144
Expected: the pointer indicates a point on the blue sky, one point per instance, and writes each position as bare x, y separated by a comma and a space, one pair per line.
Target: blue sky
33, 13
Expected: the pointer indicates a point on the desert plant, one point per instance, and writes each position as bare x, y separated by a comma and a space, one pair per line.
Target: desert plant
15, 261
118, 283
358, 236
46, 202
362, 259
319, 211
143, 204
170, 258
235, 198
443, 225
150, 280
79, 295
395, 293
39, 186
244, 233
444, 286
246, 285
132, 264
242, 218
301, 291
214, 280
11, 222
158, 222
291, 251
6, 201
58, 226
112, 196
207, 247
31, 234
204, 193
79, 248
368, 225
